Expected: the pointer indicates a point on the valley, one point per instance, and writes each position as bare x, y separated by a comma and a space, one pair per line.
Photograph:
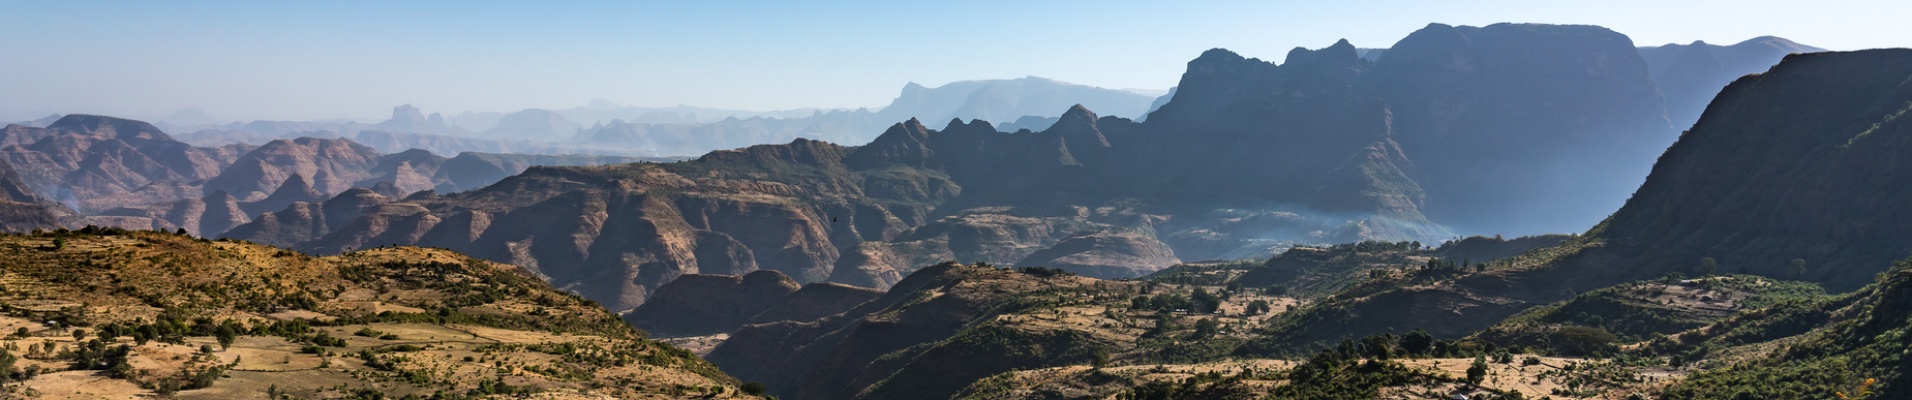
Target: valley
1509, 211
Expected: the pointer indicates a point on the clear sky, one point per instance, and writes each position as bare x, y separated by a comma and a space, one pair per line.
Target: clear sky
347, 59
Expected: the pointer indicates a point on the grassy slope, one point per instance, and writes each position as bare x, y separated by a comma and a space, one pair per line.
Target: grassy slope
396, 321
1806, 349
1639, 311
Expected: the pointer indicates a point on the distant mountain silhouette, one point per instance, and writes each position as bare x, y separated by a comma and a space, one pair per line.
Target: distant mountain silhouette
1007, 99
533, 124
1690, 75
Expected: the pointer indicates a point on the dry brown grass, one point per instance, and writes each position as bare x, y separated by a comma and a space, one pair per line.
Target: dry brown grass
510, 327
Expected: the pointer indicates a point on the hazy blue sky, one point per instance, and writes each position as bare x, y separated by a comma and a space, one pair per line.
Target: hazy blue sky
307, 60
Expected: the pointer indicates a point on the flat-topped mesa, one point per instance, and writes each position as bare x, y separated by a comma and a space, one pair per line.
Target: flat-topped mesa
109, 127
801, 151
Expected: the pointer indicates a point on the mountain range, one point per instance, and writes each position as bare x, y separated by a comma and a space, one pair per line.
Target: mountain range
1456, 129
1786, 175
682, 130
96, 170
1268, 230
1686, 75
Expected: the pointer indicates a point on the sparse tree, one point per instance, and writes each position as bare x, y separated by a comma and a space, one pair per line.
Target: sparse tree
1257, 307
1378, 347
1477, 372
1205, 328
226, 335
1708, 266
1797, 268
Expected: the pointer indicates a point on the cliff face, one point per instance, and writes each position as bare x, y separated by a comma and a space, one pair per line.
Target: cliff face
1522, 129
1793, 165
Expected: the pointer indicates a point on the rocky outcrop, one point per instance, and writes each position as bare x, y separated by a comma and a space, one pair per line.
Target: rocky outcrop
406, 118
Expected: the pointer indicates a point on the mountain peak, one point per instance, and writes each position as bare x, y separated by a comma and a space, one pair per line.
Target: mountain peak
295, 182
1340, 54
1079, 112
1218, 55
1078, 128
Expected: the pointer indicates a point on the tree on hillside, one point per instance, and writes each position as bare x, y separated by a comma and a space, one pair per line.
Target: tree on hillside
1708, 266
1205, 302
1417, 342
1257, 307
1477, 372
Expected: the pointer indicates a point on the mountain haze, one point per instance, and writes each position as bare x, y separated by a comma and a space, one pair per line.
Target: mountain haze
1447, 134
1786, 168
